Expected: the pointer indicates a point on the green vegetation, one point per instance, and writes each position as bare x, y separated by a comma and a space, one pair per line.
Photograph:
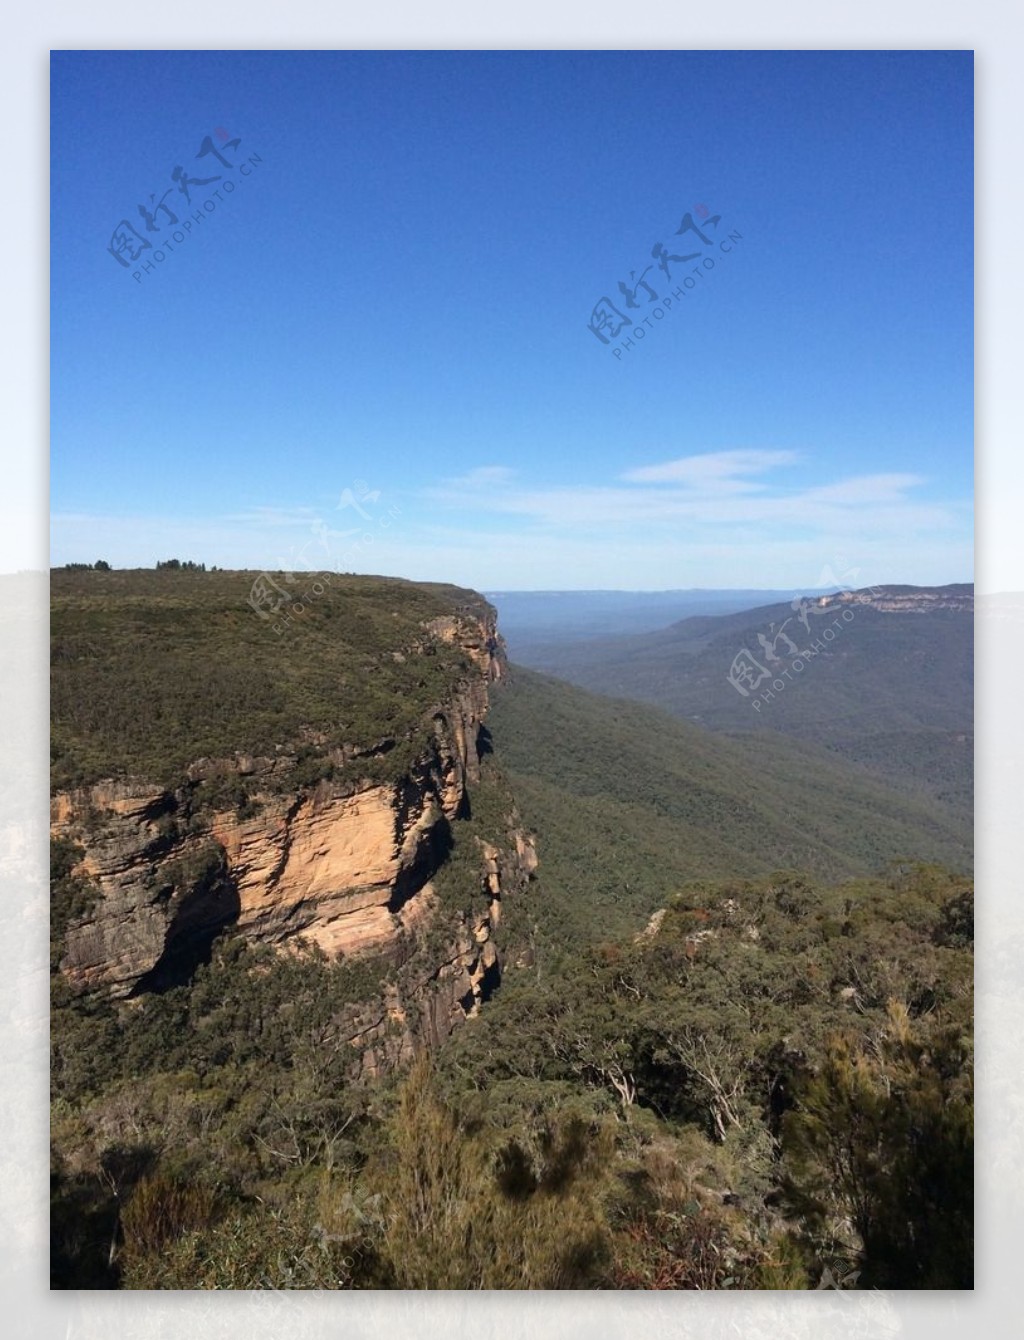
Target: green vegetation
882, 1140
767, 1086
788, 1064
629, 804
892, 692
154, 670
773, 1085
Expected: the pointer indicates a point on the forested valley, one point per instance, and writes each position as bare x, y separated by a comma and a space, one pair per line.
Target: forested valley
718, 1036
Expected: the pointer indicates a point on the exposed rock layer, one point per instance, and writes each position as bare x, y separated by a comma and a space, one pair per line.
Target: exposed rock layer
345, 864
894, 600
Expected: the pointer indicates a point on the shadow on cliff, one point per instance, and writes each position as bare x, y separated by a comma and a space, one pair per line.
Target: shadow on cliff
433, 851
199, 912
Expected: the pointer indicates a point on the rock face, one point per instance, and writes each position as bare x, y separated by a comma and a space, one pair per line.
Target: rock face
346, 864
427, 1009
904, 600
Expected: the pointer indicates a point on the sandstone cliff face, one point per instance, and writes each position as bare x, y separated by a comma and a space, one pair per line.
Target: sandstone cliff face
346, 864
895, 601
426, 1008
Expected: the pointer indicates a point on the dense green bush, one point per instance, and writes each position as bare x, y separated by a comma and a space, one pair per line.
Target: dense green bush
742, 1099
151, 671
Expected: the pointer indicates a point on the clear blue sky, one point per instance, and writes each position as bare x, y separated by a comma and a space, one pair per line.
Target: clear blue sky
373, 353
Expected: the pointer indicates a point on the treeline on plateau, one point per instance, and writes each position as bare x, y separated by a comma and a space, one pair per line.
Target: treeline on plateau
170, 564
769, 1088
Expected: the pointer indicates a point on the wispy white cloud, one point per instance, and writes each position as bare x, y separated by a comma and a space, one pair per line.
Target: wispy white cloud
721, 519
712, 469
484, 476
865, 489
715, 490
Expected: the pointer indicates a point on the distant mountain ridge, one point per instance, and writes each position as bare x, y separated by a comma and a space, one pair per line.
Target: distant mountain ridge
903, 599
882, 675
531, 617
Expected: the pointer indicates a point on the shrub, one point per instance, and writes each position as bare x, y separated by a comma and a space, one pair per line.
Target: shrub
161, 1209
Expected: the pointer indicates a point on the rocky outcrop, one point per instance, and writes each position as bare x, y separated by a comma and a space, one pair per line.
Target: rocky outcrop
346, 863
426, 1008
903, 599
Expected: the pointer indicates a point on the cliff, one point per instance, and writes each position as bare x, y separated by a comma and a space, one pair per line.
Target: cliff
320, 841
958, 598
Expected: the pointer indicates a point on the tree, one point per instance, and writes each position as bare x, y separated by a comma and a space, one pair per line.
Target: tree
882, 1140
718, 1069
462, 1214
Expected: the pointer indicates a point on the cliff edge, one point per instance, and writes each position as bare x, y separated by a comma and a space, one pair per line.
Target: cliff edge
328, 827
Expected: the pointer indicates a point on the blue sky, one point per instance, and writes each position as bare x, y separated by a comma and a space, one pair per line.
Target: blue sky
373, 352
